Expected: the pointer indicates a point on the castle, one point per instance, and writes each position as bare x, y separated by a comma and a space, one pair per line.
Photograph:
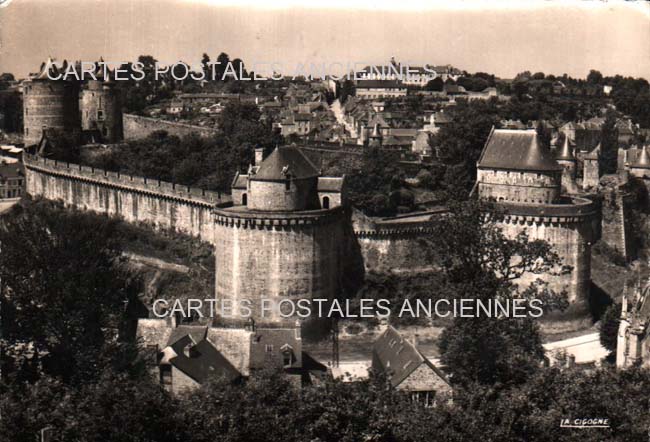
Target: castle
526, 181
64, 106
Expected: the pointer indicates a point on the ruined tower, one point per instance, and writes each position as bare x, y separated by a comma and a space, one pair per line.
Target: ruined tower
100, 107
49, 104
282, 237
522, 177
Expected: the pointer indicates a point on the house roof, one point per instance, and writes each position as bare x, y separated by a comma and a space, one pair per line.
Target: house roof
197, 333
330, 184
391, 352
11, 170
299, 165
516, 150
240, 181
204, 361
379, 84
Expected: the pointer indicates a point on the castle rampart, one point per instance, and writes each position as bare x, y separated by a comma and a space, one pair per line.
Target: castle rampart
271, 255
136, 126
136, 199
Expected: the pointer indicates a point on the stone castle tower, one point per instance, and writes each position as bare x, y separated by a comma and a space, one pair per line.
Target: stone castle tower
524, 179
282, 237
101, 108
49, 104
58, 105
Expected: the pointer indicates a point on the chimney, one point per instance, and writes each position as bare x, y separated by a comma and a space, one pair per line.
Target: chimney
259, 155
414, 339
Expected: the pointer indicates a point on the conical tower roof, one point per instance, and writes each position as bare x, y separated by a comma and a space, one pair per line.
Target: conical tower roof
566, 153
49, 70
643, 160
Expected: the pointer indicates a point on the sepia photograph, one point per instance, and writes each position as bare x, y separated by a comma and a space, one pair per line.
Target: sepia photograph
293, 221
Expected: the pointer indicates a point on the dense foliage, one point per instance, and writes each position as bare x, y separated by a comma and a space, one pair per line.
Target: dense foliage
210, 163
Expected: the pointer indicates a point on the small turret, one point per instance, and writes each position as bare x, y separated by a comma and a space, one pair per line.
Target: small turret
375, 139
641, 167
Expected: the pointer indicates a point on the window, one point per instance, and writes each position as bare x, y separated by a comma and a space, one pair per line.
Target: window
100, 115
287, 359
287, 185
269, 348
326, 202
244, 199
166, 374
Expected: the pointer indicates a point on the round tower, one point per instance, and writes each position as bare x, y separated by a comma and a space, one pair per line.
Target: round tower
101, 108
49, 104
280, 243
524, 179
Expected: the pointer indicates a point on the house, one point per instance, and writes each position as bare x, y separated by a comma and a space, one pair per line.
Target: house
182, 357
374, 89
12, 179
175, 107
408, 369
633, 347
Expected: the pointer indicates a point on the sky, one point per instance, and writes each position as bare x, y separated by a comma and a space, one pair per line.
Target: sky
501, 37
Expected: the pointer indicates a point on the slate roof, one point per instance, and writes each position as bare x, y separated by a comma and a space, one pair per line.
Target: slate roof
204, 361
566, 153
197, 332
330, 184
379, 84
299, 165
240, 180
642, 160
516, 150
391, 352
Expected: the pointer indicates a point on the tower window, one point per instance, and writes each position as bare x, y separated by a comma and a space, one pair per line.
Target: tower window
100, 115
269, 348
326, 202
244, 199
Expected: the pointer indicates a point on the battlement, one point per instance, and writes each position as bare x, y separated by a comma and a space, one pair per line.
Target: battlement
153, 187
576, 210
239, 216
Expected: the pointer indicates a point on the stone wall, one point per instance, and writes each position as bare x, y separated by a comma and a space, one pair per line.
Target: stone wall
277, 256
136, 126
525, 187
51, 104
569, 228
396, 244
616, 223
135, 199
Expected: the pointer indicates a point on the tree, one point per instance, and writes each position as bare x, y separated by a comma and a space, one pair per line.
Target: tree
64, 289
346, 90
609, 327
435, 85
479, 262
460, 142
594, 77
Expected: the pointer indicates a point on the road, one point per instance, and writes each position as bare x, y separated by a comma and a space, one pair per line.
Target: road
337, 110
